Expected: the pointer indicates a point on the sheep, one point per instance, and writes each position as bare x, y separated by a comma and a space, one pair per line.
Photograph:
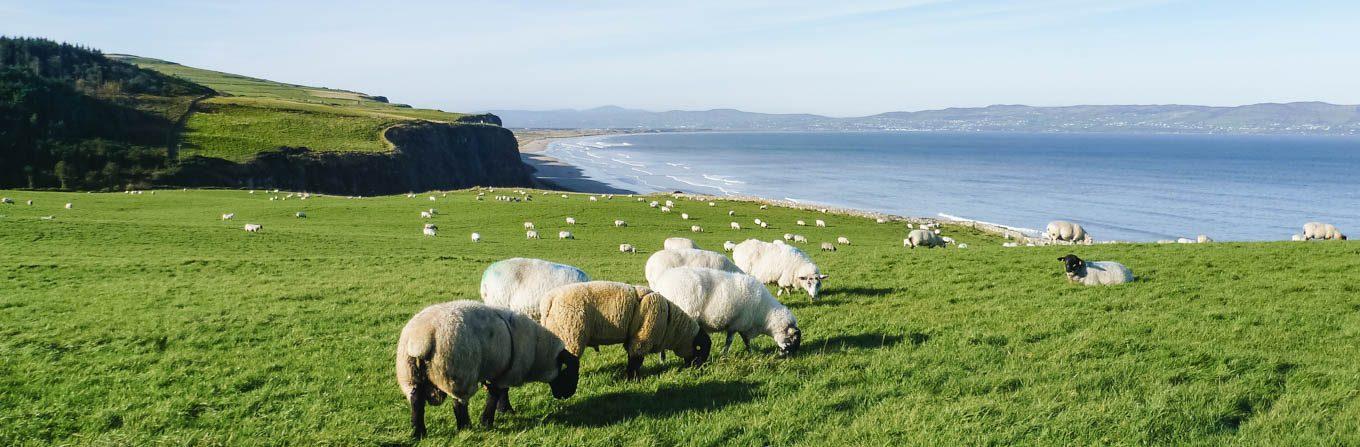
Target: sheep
731, 213
731, 303
729, 245
519, 283
425, 215
880, 220
820, 223
676, 243
653, 204
696, 229
802, 223
1203, 239
68, 205
670, 204
947, 240
923, 238
531, 234
668, 259
565, 235
29, 202
712, 204
1324, 231
827, 246
7, 200
564, 196
779, 264
620, 223
432, 198
963, 246
454, 348
1095, 273
430, 230
597, 313
593, 199
665, 209
627, 248
476, 237
735, 226
800, 239
843, 240
529, 225
788, 236
253, 228
300, 215
571, 221
228, 216
1069, 232
684, 216
764, 207
757, 221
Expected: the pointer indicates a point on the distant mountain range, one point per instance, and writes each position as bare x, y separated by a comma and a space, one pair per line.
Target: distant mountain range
1269, 118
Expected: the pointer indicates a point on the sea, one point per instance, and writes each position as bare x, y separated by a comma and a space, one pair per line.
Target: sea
1128, 187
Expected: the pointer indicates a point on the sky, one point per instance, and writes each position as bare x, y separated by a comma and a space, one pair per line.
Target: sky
838, 58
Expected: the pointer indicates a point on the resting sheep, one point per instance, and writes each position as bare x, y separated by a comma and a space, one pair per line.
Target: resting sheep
779, 264
430, 230
627, 248
676, 243
520, 283
1064, 231
664, 260
454, 348
476, 237
599, 313
1317, 230
731, 303
1095, 273
923, 238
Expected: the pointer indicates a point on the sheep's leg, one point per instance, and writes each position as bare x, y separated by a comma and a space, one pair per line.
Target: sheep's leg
503, 404
728, 344
417, 400
494, 397
634, 369
460, 413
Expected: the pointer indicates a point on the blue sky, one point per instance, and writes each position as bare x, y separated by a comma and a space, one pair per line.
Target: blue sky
837, 58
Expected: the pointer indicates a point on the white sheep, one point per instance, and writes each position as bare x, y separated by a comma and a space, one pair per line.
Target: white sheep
757, 221
1010, 244
1095, 273
880, 220
228, 216
426, 215
923, 238
1184, 240
529, 225
564, 196
696, 229
1069, 232
593, 199
620, 223
779, 264
653, 204
565, 235
712, 204
734, 226
300, 215
476, 237
764, 207
802, 223
1203, 239
788, 236
670, 204
29, 202
432, 198
627, 248
253, 228
764, 225
520, 283
430, 230
571, 221
452, 349
665, 209
664, 260
962, 246
731, 213
843, 240
1324, 231
531, 234
800, 239
68, 205
7, 200
684, 216
731, 303
827, 246
820, 223
729, 245
677, 243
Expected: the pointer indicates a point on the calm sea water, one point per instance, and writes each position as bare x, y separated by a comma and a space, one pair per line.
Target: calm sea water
1124, 187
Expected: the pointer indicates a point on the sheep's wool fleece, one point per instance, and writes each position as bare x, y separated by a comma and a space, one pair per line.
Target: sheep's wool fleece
602, 313
1099, 273
465, 343
723, 301
773, 263
664, 260
519, 283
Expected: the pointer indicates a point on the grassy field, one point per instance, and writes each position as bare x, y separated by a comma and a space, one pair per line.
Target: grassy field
256, 114
144, 319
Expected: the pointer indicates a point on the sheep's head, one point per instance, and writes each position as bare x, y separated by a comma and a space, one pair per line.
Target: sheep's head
568, 374
811, 282
788, 340
702, 346
1073, 265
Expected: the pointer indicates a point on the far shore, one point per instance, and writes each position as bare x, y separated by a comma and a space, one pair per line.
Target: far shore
556, 174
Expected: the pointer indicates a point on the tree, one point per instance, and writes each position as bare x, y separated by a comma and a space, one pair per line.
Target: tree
62, 173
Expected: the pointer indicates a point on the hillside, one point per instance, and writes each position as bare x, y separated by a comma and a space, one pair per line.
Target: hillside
147, 320
77, 119
1289, 118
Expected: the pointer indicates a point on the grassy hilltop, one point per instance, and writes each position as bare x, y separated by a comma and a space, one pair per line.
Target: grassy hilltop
144, 319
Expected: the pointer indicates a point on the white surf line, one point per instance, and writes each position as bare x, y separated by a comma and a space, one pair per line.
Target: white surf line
1022, 230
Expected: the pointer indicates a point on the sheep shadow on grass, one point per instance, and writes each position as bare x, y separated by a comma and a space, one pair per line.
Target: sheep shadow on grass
614, 407
866, 341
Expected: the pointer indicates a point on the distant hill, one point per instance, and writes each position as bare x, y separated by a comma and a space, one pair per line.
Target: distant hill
74, 118
1289, 118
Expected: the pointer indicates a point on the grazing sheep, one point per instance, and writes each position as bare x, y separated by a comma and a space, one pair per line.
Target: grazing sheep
476, 237
228, 216
1203, 239
802, 223
565, 235
300, 215
7, 200
670, 204
426, 215
731, 213
780, 264
665, 209
729, 245
430, 230
788, 236
764, 225
253, 228
843, 240
820, 223
571, 221
653, 204
68, 205
529, 225
712, 204
1069, 232
696, 229
764, 207
593, 199
757, 221
827, 246
519, 283
684, 216
454, 348
677, 243
1324, 231
1095, 273
668, 259
627, 248
600, 313
735, 226
800, 239
731, 303
923, 238
620, 223
531, 234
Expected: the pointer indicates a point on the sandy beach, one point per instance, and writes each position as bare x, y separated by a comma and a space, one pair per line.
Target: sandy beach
553, 173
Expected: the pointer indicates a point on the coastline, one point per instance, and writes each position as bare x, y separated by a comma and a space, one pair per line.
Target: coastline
555, 174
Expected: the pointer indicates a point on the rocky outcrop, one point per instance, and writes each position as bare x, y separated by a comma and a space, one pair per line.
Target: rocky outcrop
427, 156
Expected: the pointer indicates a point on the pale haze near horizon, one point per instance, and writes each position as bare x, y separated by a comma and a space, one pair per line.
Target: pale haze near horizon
831, 58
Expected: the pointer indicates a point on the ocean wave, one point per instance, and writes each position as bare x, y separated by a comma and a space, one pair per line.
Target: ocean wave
629, 163
1022, 230
720, 178
701, 185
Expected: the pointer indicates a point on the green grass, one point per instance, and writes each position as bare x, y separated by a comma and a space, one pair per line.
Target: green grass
143, 319
257, 114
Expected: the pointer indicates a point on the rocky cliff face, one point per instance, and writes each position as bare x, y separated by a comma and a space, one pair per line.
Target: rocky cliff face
427, 156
